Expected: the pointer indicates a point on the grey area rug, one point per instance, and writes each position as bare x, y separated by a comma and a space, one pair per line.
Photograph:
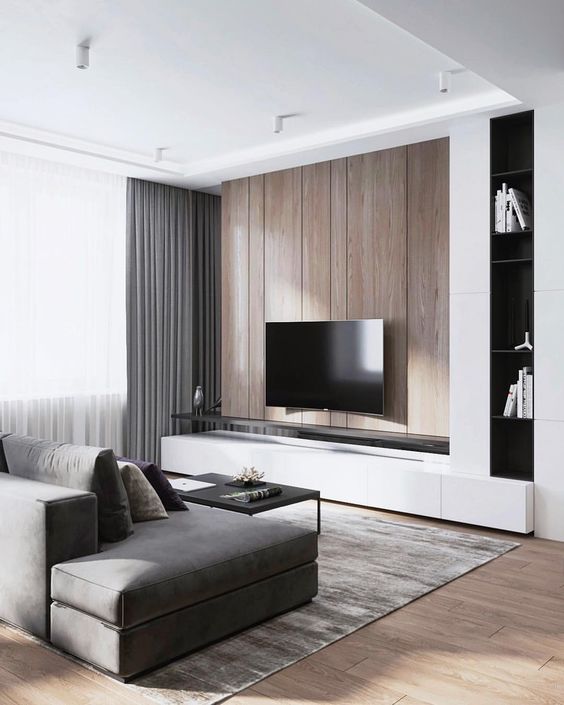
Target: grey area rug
367, 568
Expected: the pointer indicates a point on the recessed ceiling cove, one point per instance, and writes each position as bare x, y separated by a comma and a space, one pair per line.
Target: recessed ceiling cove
205, 78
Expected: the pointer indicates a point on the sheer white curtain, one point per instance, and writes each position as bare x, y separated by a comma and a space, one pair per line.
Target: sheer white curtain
62, 302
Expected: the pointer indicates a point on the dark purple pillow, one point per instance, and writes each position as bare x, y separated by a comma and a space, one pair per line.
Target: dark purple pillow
159, 482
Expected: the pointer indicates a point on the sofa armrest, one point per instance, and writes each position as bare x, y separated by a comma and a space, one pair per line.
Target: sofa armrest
40, 525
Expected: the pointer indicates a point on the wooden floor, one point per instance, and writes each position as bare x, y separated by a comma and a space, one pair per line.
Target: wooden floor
494, 636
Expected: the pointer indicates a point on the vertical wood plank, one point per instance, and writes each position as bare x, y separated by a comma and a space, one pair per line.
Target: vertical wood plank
283, 257
256, 297
235, 297
428, 286
338, 254
316, 249
377, 250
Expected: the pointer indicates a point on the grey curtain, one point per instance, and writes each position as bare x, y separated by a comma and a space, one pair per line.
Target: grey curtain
206, 351
159, 313
173, 308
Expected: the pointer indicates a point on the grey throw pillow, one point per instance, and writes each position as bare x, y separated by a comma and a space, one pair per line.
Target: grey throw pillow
144, 503
79, 467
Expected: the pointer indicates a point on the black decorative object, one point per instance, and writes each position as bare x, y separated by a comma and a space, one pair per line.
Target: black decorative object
214, 406
255, 496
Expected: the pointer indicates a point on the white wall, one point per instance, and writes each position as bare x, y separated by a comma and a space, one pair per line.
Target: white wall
549, 322
470, 297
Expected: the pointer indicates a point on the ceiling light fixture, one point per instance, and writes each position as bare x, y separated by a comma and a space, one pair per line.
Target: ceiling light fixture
159, 152
82, 56
445, 80
277, 124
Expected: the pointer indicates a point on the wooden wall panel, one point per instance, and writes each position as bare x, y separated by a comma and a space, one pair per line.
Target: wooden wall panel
360, 237
428, 286
256, 297
283, 257
316, 255
338, 254
235, 298
377, 250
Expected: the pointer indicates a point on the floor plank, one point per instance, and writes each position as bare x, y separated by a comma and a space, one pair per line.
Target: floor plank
39, 675
493, 637
313, 682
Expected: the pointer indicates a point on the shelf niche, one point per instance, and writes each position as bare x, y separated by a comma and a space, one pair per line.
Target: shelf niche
512, 286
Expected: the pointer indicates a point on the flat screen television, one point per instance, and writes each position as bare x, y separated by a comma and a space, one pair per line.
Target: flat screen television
336, 365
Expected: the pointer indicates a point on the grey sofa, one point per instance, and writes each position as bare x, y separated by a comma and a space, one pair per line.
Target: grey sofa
127, 606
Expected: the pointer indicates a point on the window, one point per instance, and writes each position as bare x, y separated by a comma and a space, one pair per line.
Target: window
62, 302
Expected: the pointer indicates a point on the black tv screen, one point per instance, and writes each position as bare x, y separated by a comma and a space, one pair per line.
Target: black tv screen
337, 365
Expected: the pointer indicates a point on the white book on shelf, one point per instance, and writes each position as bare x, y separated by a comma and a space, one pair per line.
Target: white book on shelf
503, 206
511, 220
511, 402
520, 395
529, 387
522, 208
526, 371
507, 401
499, 224
525, 400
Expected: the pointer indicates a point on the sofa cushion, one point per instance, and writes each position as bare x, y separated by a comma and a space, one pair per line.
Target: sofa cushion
159, 482
144, 502
80, 468
168, 565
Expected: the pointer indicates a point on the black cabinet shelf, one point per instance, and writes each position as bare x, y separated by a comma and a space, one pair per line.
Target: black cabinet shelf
512, 172
513, 233
334, 434
511, 301
516, 260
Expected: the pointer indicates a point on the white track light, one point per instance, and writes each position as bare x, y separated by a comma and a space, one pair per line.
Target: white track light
159, 152
82, 56
277, 124
445, 78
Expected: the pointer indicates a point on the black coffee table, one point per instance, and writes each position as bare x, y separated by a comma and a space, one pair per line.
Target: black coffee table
211, 496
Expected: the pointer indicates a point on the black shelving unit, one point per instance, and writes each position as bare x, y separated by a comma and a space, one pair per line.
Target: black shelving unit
511, 161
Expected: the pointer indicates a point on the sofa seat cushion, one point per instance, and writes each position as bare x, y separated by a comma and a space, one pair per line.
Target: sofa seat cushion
166, 566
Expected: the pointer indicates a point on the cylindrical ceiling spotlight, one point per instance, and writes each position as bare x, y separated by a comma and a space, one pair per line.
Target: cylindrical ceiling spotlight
445, 78
277, 124
82, 56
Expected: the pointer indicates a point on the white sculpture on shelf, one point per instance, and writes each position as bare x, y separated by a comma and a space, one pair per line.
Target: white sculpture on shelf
526, 345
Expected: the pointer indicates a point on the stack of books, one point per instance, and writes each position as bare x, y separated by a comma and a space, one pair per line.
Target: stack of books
512, 210
519, 401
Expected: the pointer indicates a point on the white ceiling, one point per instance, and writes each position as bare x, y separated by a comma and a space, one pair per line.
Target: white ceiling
205, 77
518, 45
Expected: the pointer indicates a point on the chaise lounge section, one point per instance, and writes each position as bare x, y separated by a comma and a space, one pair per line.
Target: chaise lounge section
167, 589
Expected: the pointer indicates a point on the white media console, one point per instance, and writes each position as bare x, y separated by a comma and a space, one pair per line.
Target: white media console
402, 481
